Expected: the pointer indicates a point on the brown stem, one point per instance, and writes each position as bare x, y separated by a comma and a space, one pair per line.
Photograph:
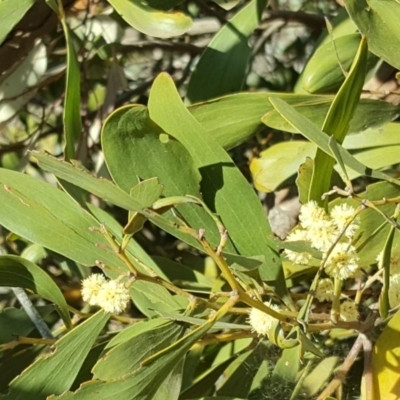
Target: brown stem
344, 369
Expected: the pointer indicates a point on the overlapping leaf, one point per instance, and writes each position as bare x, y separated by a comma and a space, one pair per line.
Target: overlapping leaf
224, 188
44, 377
19, 272
379, 20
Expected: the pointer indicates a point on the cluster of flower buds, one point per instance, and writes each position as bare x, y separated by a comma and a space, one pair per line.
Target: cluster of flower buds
111, 295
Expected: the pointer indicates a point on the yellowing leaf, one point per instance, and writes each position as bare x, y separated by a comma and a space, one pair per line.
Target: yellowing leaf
278, 163
151, 21
386, 362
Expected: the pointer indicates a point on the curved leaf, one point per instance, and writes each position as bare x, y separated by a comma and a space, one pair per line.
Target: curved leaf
324, 72
150, 21
18, 272
232, 119
135, 147
311, 132
144, 382
45, 215
337, 122
222, 67
10, 14
55, 373
224, 188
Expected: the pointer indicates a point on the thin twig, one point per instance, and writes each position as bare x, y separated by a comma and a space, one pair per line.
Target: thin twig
344, 369
32, 313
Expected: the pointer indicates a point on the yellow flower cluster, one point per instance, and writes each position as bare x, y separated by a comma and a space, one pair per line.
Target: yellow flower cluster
322, 230
111, 295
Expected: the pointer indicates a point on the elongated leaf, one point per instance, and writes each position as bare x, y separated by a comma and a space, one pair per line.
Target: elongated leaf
135, 330
18, 272
280, 162
79, 176
287, 366
45, 215
311, 132
388, 135
55, 373
232, 119
10, 14
379, 158
361, 120
126, 357
319, 375
340, 25
224, 188
183, 275
206, 383
199, 321
222, 67
151, 21
379, 20
337, 122
72, 105
145, 381
384, 305
239, 375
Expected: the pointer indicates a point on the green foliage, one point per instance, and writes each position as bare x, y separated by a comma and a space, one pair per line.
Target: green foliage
11, 15
154, 181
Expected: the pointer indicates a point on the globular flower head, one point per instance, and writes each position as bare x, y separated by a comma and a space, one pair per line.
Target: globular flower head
294, 256
262, 322
348, 311
341, 216
342, 262
110, 295
324, 290
113, 297
310, 213
394, 290
322, 234
91, 287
